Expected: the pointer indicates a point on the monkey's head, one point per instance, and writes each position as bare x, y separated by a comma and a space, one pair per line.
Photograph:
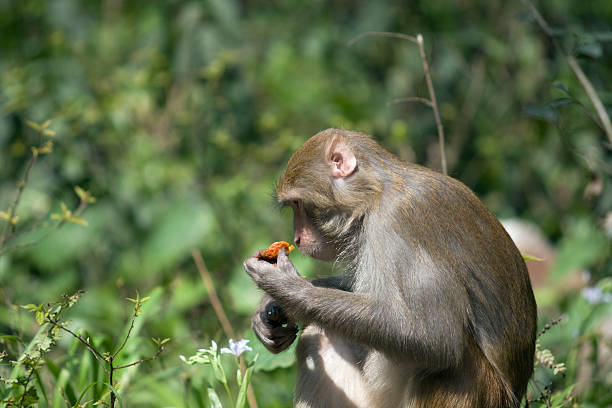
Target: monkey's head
330, 188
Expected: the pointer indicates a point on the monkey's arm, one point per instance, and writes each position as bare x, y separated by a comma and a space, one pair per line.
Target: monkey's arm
429, 332
271, 325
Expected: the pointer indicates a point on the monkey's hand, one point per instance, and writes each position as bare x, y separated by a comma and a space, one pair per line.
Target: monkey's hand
272, 327
274, 279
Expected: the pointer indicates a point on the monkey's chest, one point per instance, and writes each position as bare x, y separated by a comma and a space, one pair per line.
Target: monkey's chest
334, 372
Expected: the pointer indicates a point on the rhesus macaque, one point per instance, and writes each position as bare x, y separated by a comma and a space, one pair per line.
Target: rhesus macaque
434, 309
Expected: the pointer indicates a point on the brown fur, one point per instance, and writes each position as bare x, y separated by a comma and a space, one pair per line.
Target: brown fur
435, 308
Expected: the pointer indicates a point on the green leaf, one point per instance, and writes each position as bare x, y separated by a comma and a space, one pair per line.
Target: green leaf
241, 400
218, 370
78, 401
528, 257
267, 361
34, 125
543, 112
40, 317
213, 398
238, 377
560, 86
590, 49
116, 394
192, 222
560, 102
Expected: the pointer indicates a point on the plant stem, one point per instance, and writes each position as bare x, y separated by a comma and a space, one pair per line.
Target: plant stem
431, 102
218, 307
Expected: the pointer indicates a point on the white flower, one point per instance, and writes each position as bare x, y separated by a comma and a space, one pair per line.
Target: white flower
213, 348
236, 348
182, 357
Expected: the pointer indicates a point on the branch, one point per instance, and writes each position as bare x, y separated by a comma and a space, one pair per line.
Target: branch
91, 348
434, 104
432, 94
578, 72
216, 303
127, 336
153, 357
6, 236
212, 293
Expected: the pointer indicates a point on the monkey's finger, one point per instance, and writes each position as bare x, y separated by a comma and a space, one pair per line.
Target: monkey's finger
284, 263
257, 253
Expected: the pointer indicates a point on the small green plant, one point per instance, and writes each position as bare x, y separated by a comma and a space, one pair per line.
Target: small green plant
10, 231
545, 395
212, 357
23, 386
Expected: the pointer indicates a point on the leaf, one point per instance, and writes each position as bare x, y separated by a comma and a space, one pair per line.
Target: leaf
85, 196
46, 148
116, 393
559, 85
40, 317
84, 391
543, 112
45, 124
560, 102
49, 132
213, 398
34, 125
528, 257
241, 400
267, 361
77, 220
590, 49
190, 221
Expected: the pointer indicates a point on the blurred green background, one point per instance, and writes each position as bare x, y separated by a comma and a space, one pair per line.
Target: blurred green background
179, 116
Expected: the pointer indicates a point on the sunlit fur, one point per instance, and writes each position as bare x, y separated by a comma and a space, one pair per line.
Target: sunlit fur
436, 309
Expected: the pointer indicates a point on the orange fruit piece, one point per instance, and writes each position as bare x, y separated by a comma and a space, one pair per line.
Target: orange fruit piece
271, 253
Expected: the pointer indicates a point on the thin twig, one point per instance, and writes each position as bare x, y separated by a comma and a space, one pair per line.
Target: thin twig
382, 34
212, 293
153, 357
600, 109
127, 336
218, 307
592, 94
434, 103
6, 236
91, 348
424, 101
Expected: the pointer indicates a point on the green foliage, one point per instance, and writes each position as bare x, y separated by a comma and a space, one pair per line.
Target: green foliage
178, 117
19, 391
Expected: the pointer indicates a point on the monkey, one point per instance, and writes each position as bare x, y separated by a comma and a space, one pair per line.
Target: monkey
434, 307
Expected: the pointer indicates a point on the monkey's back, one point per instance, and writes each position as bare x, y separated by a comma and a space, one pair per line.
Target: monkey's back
481, 260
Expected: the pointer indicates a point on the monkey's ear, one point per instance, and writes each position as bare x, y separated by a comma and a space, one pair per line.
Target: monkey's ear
341, 158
